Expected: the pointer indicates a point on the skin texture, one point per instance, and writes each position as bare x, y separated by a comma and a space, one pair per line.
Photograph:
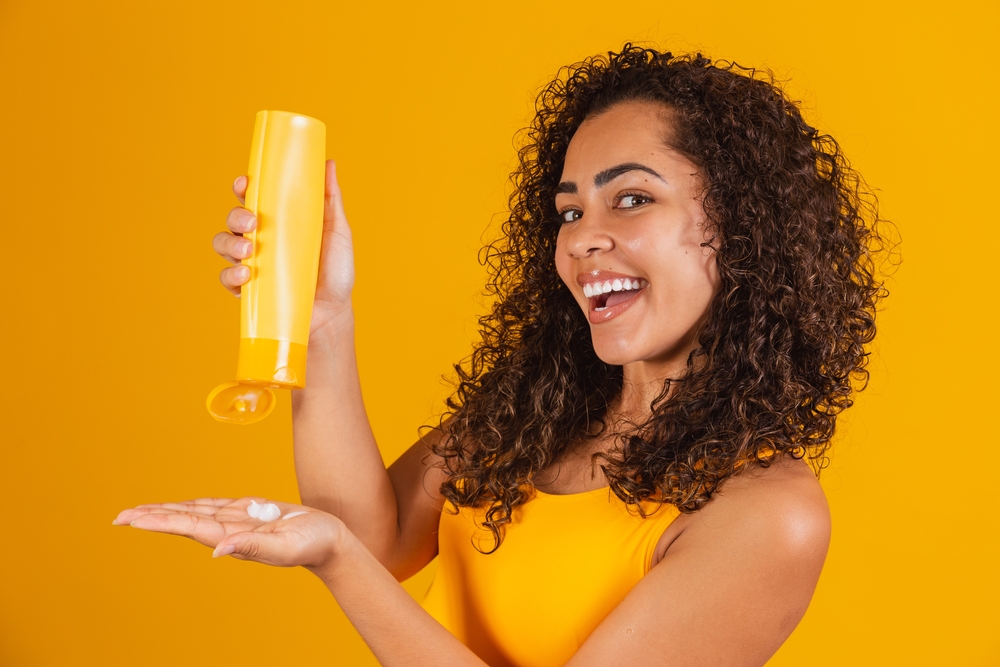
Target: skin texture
729, 582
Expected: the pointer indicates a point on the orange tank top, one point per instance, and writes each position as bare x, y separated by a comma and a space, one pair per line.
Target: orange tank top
566, 561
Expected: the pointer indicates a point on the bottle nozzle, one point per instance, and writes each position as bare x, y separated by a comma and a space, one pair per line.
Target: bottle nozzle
240, 402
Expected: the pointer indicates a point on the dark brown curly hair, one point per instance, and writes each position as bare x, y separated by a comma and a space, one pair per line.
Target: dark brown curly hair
784, 345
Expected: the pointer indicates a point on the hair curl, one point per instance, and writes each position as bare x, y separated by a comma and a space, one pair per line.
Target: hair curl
783, 348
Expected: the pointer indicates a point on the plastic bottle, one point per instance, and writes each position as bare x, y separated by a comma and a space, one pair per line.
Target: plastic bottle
285, 189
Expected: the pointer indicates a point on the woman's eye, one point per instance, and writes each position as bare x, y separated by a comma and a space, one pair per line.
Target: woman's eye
631, 201
571, 215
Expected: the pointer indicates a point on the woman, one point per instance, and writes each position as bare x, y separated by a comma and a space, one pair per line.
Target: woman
684, 293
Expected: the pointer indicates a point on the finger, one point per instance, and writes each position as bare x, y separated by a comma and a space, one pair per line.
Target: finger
334, 217
229, 515
232, 246
232, 277
126, 517
270, 548
240, 220
240, 188
215, 502
192, 508
200, 529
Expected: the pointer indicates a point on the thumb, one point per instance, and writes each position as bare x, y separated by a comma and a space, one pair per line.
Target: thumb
251, 545
334, 217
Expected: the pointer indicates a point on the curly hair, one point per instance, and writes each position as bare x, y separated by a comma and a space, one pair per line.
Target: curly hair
783, 348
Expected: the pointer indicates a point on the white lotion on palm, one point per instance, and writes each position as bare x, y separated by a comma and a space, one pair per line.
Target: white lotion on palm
263, 512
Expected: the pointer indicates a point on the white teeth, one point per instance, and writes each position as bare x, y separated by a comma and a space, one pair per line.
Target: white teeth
616, 285
597, 310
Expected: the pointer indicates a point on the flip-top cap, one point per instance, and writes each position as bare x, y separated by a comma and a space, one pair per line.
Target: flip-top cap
240, 402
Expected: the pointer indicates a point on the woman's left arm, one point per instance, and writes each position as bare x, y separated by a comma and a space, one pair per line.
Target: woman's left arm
731, 584
728, 590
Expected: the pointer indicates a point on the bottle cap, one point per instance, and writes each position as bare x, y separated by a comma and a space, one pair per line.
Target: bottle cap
240, 402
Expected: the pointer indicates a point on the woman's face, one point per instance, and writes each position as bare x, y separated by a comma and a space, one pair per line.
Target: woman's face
630, 247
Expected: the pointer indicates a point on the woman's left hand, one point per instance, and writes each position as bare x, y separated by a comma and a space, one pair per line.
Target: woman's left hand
310, 538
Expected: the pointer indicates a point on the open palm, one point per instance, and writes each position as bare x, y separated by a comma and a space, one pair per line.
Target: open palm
308, 537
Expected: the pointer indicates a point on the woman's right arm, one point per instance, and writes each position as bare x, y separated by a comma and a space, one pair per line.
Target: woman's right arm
337, 461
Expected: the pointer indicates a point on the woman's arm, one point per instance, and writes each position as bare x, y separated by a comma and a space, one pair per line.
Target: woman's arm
730, 587
339, 468
397, 629
337, 461
733, 582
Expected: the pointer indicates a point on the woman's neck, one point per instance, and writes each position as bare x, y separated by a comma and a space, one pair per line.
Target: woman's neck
642, 383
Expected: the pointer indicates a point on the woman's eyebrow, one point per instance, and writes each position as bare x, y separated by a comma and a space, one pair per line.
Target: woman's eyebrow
604, 177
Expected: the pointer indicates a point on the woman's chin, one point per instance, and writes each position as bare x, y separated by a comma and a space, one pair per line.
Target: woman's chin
615, 354
668, 356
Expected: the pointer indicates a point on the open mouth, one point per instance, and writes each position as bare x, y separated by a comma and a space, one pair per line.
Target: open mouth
611, 293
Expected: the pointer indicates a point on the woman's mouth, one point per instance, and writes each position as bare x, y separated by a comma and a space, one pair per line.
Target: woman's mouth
611, 298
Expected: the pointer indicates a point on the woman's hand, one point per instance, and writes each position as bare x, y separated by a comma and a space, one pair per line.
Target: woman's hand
336, 267
397, 629
307, 537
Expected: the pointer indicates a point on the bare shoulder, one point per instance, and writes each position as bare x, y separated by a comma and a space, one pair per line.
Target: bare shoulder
785, 490
778, 512
733, 579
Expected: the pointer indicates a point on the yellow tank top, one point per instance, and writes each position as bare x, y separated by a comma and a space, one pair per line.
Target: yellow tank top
566, 561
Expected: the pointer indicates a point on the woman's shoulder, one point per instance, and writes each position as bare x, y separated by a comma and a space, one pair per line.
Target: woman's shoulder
775, 513
786, 488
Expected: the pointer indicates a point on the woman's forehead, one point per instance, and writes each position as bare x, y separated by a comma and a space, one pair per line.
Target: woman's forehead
636, 132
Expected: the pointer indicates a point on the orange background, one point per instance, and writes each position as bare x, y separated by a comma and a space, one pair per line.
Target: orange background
122, 125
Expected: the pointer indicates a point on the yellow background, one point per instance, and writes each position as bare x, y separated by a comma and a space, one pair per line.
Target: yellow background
122, 125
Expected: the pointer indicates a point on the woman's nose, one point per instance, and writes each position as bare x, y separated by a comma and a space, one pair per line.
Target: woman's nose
586, 236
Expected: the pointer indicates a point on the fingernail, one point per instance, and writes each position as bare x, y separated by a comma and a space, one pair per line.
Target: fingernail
243, 272
114, 522
250, 222
223, 551
244, 248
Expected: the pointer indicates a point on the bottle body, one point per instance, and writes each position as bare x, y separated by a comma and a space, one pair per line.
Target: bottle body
285, 190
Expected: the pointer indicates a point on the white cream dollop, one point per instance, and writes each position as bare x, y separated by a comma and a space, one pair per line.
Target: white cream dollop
264, 512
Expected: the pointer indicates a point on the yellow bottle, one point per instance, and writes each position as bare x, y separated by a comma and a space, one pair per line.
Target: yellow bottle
285, 189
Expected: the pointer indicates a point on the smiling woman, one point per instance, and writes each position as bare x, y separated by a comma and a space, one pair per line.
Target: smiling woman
638, 222
684, 294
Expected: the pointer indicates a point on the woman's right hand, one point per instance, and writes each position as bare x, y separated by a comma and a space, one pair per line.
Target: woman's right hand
336, 265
